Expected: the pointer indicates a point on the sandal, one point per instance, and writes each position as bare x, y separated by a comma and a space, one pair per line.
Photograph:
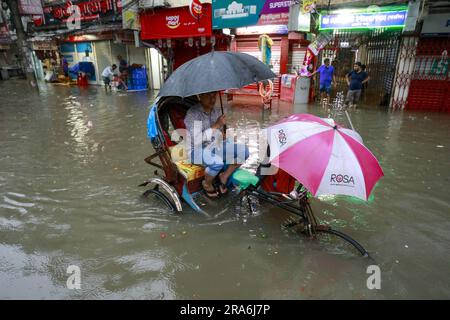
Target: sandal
210, 193
222, 186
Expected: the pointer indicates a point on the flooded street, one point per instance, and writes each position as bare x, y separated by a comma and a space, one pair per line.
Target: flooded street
71, 161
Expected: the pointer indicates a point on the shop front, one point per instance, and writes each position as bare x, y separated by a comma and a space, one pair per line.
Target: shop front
80, 52
86, 41
175, 36
92, 53
249, 40
429, 88
46, 59
258, 28
371, 37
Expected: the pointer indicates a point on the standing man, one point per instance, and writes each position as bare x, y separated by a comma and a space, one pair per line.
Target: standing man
123, 68
107, 75
327, 77
355, 80
123, 64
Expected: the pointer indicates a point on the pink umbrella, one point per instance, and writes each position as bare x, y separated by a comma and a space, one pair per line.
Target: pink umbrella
325, 158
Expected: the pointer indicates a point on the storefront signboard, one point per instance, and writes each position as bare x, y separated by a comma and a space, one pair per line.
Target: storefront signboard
241, 13
175, 23
363, 20
89, 10
272, 29
44, 45
90, 37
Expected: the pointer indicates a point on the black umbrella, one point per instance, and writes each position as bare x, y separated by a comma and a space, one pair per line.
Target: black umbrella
215, 71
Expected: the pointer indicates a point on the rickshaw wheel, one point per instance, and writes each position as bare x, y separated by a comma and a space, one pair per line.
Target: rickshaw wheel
162, 197
169, 196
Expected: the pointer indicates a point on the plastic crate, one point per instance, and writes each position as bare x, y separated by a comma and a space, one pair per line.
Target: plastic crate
139, 73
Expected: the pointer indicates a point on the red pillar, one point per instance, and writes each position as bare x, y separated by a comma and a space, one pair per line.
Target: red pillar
284, 55
233, 45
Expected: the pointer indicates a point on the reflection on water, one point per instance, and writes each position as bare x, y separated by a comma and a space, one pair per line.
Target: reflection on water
70, 163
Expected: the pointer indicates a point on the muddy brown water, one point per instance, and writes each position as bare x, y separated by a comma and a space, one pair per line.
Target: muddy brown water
70, 163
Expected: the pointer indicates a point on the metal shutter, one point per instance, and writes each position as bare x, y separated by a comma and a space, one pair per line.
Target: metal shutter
250, 46
296, 58
430, 84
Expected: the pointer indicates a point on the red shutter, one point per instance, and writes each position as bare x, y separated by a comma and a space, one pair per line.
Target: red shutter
249, 45
430, 84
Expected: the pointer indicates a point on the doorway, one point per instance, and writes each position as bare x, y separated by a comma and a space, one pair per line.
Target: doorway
376, 48
158, 68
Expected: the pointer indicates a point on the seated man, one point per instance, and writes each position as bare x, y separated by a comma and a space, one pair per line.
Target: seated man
205, 125
120, 84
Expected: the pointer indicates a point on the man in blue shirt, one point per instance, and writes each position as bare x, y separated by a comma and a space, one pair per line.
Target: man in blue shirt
355, 80
326, 72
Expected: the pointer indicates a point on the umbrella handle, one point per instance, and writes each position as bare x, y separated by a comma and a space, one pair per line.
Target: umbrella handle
221, 108
221, 104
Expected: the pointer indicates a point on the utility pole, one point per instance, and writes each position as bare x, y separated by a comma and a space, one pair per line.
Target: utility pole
25, 54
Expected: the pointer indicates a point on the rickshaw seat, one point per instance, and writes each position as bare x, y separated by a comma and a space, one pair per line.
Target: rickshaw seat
177, 113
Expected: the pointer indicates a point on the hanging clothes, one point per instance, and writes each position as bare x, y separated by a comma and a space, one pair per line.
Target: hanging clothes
265, 46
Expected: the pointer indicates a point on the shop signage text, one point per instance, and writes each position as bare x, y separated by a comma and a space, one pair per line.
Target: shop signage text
44, 45
242, 13
363, 20
272, 29
89, 10
173, 22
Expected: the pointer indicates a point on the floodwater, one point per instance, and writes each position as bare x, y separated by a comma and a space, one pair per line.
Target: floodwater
70, 164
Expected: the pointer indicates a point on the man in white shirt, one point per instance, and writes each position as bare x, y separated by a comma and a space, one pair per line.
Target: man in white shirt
107, 74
